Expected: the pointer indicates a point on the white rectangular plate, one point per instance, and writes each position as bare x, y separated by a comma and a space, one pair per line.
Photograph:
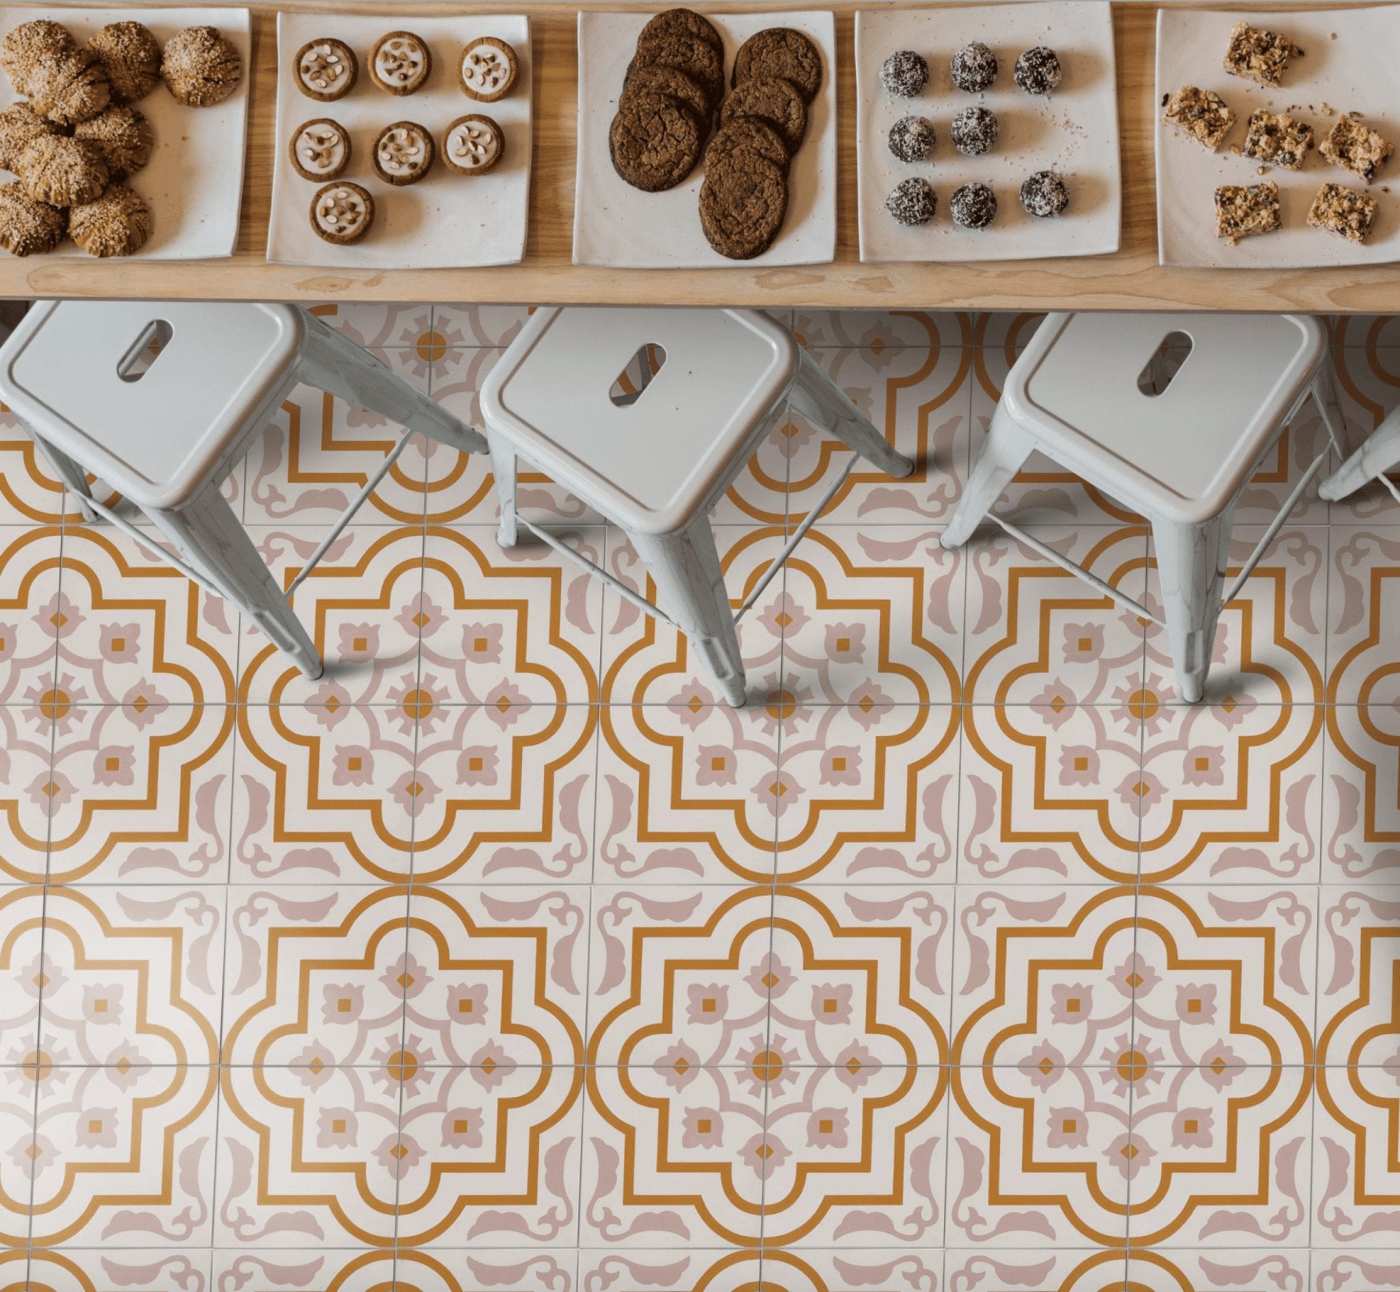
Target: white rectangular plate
445, 220
1353, 72
194, 180
1074, 131
615, 224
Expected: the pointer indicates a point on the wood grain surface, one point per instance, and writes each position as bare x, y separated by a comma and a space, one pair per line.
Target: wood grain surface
1130, 279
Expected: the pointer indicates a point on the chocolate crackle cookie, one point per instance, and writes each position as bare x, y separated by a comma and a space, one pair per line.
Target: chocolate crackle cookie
683, 22
400, 62
132, 58
62, 171
742, 204
746, 133
771, 99
668, 81
782, 52
320, 149
117, 224
654, 141
28, 227
904, 73
473, 144
68, 87
325, 69
124, 137
200, 66
488, 69
341, 212
20, 125
403, 153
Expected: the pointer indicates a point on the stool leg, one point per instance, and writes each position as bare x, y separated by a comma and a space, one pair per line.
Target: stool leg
1004, 454
821, 401
503, 468
215, 543
690, 588
1374, 458
70, 473
333, 362
1191, 562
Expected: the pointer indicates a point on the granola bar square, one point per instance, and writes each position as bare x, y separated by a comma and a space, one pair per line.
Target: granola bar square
1278, 139
1244, 210
1202, 114
1354, 146
1348, 211
1258, 54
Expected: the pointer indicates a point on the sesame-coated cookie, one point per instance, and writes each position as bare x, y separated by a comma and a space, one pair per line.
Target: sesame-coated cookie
742, 204
654, 141
781, 51
132, 58
771, 99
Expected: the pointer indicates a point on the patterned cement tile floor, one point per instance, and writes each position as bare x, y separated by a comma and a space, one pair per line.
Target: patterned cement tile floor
503, 957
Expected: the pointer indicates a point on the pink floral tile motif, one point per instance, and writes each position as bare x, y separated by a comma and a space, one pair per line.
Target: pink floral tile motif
1039, 635
23, 973
159, 1269
919, 399
1065, 1270
871, 792
1368, 380
673, 1268
853, 1269
1358, 957
360, 606
1363, 615
1271, 641
688, 788
309, 1156
881, 330
460, 487
649, 662
378, 325
506, 628
1353, 1270
347, 1269
479, 1269
1231, 790
873, 618
1215, 1270
316, 977
317, 452
1050, 791
505, 793
1226, 977
29, 492
1361, 802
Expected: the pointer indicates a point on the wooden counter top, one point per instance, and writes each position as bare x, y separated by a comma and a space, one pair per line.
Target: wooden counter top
1130, 279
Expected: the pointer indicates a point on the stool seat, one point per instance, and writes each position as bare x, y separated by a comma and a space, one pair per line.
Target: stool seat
653, 461
154, 437
1187, 451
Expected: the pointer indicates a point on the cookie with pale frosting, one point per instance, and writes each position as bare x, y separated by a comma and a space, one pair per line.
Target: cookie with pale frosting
473, 144
400, 62
341, 212
403, 153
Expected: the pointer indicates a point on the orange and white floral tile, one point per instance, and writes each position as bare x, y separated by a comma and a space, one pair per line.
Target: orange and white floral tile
1225, 980
492, 326
1231, 791
1271, 641
919, 398
1363, 618
1003, 332
309, 1156
1361, 801
1065, 1270
648, 662
328, 790
1043, 983
152, 1269
124, 1156
1356, 1181
672, 1269
30, 493
316, 976
1368, 380
377, 325
873, 793
22, 1064
1217, 1270
361, 606
688, 788
1358, 957
508, 627
505, 793
1050, 791
135, 631
317, 452
874, 618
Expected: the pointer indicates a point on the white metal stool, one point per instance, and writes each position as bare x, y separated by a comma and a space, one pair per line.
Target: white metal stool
655, 462
160, 400
1180, 456
1379, 453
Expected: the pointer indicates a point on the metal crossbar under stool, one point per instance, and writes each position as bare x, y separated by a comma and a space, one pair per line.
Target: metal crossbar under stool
1081, 394
655, 461
1377, 455
160, 400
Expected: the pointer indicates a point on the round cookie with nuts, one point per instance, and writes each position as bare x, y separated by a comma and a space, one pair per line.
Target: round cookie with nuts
473, 144
28, 227
341, 212
132, 58
488, 69
325, 69
200, 66
62, 171
403, 153
400, 62
20, 125
124, 137
320, 149
117, 224
69, 87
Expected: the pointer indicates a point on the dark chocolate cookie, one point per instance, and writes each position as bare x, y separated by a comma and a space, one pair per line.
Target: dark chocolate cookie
699, 60
752, 133
684, 22
654, 141
780, 51
771, 99
670, 81
742, 204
